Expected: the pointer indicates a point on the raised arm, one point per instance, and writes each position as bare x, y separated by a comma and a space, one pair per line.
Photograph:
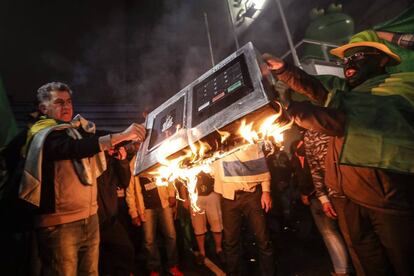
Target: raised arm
297, 79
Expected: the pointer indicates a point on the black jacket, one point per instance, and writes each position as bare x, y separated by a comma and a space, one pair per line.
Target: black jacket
117, 174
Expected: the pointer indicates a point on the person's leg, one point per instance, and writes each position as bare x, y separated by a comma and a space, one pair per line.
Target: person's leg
88, 257
166, 222
199, 222
217, 236
117, 258
201, 238
255, 216
332, 238
214, 218
58, 248
396, 235
339, 205
232, 221
150, 240
365, 241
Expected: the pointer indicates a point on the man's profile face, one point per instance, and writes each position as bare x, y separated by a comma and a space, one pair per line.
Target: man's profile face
361, 64
59, 107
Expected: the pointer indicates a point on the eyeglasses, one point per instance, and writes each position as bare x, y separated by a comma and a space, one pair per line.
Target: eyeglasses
358, 56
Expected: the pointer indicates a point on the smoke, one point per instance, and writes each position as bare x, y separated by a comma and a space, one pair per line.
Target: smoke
144, 62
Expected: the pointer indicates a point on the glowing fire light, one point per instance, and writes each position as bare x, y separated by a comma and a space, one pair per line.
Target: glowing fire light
269, 128
199, 157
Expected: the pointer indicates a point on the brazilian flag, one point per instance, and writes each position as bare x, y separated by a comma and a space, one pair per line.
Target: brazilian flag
8, 126
380, 112
380, 123
404, 23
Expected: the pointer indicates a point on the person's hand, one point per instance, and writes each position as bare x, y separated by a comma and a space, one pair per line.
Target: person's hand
135, 132
121, 153
284, 92
329, 210
266, 201
273, 62
305, 199
136, 221
172, 201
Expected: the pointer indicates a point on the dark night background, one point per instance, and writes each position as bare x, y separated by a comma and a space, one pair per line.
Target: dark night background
130, 56
139, 52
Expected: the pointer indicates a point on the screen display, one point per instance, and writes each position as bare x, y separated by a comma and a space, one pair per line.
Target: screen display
220, 90
167, 123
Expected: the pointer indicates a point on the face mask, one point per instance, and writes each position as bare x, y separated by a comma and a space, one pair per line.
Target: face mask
362, 65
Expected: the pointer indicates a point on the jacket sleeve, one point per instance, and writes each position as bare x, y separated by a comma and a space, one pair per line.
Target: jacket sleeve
317, 172
59, 146
302, 83
326, 120
132, 197
266, 186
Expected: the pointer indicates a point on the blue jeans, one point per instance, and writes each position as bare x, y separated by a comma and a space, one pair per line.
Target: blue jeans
332, 237
70, 248
162, 217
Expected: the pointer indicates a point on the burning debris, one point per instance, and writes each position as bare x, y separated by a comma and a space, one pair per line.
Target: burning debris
200, 155
227, 108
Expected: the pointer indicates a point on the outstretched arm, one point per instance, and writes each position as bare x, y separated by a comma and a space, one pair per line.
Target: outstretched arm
297, 79
326, 120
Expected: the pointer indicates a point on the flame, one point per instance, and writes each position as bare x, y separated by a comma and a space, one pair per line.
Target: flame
269, 128
223, 135
199, 158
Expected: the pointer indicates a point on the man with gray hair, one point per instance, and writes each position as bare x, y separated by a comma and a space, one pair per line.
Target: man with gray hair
64, 157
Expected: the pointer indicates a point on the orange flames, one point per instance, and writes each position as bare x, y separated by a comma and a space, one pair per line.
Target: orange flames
200, 156
270, 128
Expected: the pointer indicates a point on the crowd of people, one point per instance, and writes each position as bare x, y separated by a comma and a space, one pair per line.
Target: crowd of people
351, 167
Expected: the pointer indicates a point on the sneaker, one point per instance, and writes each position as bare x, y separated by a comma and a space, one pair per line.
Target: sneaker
154, 273
174, 271
200, 259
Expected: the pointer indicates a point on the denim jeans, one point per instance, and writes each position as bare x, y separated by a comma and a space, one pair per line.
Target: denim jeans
71, 248
332, 237
162, 217
246, 205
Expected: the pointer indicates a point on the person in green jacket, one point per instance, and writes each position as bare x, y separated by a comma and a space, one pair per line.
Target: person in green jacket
369, 160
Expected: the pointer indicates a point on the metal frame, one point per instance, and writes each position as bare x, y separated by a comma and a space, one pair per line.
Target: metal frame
259, 97
324, 47
146, 158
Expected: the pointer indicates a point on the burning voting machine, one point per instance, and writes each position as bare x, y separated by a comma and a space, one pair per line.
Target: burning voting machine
217, 102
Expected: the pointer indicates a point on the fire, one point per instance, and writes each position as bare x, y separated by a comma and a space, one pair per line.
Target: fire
199, 156
184, 168
223, 135
270, 128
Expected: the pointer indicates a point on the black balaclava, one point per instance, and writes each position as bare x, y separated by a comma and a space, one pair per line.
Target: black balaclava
359, 69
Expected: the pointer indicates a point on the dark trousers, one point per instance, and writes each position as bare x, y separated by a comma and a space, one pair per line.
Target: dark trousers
247, 205
383, 242
116, 250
